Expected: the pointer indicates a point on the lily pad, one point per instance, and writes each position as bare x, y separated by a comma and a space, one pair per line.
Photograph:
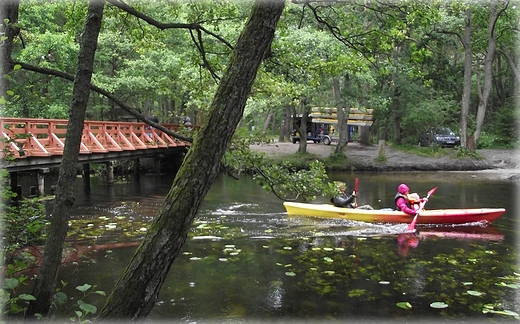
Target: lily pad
503, 284
290, 274
404, 305
438, 305
474, 293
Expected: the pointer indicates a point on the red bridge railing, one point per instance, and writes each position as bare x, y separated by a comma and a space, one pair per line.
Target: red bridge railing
26, 137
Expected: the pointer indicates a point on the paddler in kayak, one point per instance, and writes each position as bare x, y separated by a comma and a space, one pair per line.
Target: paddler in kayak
345, 201
407, 202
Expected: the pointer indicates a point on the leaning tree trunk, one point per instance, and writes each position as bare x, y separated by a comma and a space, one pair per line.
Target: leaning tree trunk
136, 292
46, 279
488, 70
466, 89
8, 29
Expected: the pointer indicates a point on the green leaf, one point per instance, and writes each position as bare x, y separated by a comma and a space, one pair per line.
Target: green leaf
88, 308
10, 283
100, 292
438, 305
404, 305
474, 293
17, 67
60, 298
4, 296
84, 288
26, 297
290, 274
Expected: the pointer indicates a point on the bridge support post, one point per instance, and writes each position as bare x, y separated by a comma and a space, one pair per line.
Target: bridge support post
157, 162
41, 181
86, 177
110, 172
13, 182
137, 169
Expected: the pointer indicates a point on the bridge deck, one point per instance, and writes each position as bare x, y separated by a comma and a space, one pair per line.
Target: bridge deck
32, 141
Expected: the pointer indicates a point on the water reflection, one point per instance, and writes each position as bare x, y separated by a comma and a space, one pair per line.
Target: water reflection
306, 268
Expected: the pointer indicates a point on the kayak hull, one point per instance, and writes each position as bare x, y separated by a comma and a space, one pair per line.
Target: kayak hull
434, 216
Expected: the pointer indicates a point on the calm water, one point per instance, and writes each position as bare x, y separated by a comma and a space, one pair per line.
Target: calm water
246, 260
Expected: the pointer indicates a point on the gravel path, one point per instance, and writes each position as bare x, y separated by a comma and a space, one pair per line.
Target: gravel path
496, 163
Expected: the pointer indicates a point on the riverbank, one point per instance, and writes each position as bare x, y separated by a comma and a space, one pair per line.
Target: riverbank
495, 163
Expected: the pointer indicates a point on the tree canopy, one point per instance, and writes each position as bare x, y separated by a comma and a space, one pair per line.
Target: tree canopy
403, 59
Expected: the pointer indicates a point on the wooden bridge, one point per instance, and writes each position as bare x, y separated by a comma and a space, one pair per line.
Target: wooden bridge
33, 143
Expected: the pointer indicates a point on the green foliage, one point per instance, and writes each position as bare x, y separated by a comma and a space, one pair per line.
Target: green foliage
500, 130
14, 303
466, 153
11, 301
399, 58
290, 184
282, 178
380, 158
431, 151
24, 223
427, 114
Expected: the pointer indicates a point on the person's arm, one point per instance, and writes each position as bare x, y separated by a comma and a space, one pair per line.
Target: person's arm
350, 199
401, 203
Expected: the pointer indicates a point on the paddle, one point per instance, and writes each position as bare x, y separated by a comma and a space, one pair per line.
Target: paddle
411, 227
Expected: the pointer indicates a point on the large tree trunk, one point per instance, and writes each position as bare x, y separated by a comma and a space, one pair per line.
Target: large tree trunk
136, 292
46, 279
488, 70
9, 30
306, 110
267, 120
285, 129
342, 113
466, 88
512, 59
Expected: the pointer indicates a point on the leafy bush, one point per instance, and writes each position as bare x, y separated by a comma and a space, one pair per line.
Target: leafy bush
500, 131
427, 114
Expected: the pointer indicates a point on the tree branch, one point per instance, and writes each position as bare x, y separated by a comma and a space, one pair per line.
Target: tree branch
107, 94
200, 46
190, 26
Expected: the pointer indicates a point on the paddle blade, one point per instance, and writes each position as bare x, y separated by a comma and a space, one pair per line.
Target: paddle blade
356, 185
431, 192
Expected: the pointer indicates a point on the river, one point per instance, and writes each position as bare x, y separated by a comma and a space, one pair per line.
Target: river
246, 260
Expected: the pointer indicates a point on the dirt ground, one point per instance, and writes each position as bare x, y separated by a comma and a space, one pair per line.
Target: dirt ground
496, 163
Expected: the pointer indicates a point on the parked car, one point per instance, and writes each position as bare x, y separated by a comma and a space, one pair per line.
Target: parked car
444, 137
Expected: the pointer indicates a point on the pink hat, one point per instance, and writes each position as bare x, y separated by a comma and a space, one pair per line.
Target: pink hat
402, 189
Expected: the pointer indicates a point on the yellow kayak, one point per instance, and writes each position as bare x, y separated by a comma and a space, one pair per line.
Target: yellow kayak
434, 216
